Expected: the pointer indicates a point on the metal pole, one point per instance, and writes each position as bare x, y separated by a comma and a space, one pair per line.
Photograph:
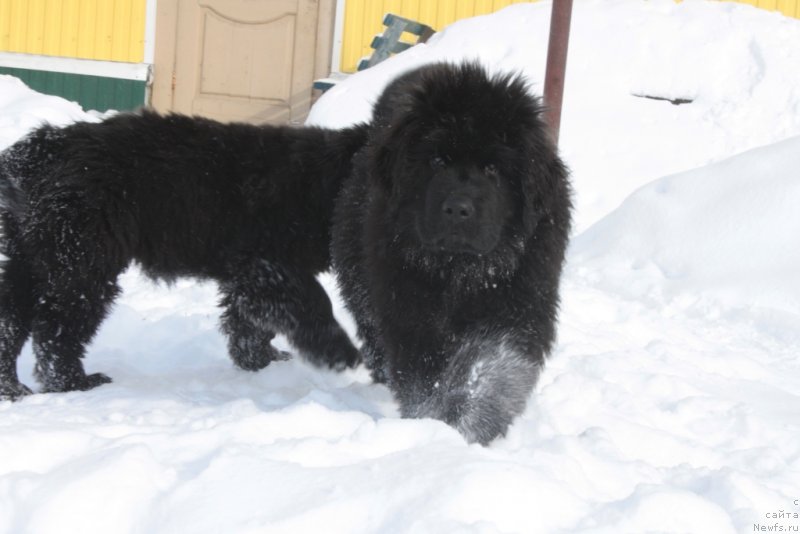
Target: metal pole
556, 64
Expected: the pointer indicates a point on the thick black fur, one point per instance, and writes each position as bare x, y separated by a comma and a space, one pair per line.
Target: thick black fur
448, 242
247, 206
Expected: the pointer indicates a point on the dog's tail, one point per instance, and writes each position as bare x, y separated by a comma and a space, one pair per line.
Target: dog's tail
12, 198
26, 158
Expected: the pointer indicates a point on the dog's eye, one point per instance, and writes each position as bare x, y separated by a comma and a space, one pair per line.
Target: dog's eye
438, 162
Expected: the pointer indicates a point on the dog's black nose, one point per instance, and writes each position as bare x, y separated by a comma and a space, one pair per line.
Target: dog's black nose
457, 209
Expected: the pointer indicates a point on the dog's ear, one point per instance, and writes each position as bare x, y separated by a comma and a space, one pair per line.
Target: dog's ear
544, 184
532, 210
395, 116
389, 142
383, 159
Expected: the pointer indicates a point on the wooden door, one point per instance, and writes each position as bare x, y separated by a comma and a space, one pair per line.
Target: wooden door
241, 60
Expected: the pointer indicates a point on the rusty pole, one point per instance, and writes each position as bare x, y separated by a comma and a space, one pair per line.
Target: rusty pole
556, 64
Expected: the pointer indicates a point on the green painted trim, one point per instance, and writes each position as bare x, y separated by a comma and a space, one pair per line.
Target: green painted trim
91, 92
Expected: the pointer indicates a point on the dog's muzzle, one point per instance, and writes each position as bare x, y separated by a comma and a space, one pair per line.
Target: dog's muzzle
455, 224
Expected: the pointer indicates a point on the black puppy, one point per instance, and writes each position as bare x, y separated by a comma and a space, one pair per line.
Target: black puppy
448, 242
247, 206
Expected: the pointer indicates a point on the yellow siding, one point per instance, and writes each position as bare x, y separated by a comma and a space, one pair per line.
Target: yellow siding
110, 30
362, 18
790, 8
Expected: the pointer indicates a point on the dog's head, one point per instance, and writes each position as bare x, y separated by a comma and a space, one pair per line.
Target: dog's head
464, 205
465, 162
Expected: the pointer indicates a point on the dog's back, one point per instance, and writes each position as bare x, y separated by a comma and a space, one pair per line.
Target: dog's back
183, 195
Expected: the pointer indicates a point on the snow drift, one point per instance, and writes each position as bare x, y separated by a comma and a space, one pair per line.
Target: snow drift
729, 230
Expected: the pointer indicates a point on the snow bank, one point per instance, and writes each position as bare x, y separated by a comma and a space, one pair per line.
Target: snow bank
731, 230
24, 109
739, 65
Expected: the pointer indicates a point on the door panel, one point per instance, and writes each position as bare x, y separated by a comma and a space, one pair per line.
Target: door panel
246, 60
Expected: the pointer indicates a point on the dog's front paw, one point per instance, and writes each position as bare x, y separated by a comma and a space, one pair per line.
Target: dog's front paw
338, 354
256, 356
344, 356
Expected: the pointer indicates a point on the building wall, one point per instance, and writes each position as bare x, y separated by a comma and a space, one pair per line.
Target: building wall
111, 30
91, 92
790, 8
54, 33
362, 18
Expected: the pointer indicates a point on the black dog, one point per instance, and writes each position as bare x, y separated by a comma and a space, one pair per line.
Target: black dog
449, 241
247, 206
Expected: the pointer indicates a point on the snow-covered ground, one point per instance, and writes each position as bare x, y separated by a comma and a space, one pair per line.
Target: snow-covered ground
671, 403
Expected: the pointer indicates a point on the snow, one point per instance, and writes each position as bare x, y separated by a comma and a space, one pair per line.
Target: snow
732, 211
24, 109
671, 403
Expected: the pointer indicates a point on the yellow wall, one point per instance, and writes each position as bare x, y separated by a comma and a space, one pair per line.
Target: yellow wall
790, 8
110, 30
363, 18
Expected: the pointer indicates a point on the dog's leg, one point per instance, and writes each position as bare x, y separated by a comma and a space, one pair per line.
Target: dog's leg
485, 385
266, 297
15, 317
303, 311
373, 354
76, 260
66, 317
249, 335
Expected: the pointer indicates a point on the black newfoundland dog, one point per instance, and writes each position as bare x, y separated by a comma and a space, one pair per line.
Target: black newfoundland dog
247, 206
448, 242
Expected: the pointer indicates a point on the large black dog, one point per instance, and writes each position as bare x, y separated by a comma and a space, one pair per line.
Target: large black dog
247, 206
448, 242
